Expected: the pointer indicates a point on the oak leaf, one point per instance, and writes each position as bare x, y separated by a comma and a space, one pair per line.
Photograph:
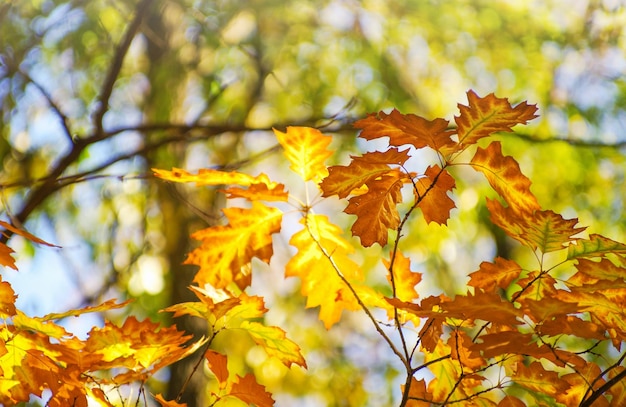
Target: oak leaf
418, 395
168, 403
274, 342
491, 276
7, 300
306, 149
260, 187
249, 391
402, 278
540, 380
321, 261
226, 251
432, 194
595, 246
408, 129
343, 180
376, 209
484, 116
487, 306
548, 231
218, 364
505, 177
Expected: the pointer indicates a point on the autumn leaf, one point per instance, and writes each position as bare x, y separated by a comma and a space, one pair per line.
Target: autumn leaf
483, 305
407, 129
432, 195
404, 280
343, 180
218, 364
321, 258
505, 177
5, 256
491, 276
592, 272
306, 149
7, 300
376, 209
595, 246
165, 403
226, 251
105, 306
275, 343
487, 115
460, 350
418, 394
259, 187
249, 391
548, 231
538, 379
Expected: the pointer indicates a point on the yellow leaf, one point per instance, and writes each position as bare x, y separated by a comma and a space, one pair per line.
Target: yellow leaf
7, 300
404, 279
322, 255
275, 343
260, 187
226, 251
306, 150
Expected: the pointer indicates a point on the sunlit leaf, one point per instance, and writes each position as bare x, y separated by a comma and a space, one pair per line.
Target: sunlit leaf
376, 209
226, 251
218, 364
491, 276
432, 194
484, 116
343, 180
407, 129
540, 380
248, 390
505, 177
306, 150
165, 403
404, 280
595, 246
321, 257
275, 343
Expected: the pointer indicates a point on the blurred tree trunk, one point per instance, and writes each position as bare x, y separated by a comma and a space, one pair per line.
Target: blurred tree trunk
166, 77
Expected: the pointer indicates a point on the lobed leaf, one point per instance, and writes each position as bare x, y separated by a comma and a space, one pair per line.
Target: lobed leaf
505, 177
226, 251
321, 260
306, 149
404, 280
408, 129
432, 195
376, 209
595, 246
484, 116
275, 343
491, 276
344, 180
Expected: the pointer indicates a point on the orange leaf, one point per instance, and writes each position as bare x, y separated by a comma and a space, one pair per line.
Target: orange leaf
343, 180
407, 129
491, 276
25, 234
536, 378
376, 209
249, 391
258, 192
218, 364
417, 394
485, 306
572, 325
460, 347
484, 116
321, 257
591, 272
306, 150
404, 279
226, 251
505, 177
7, 300
165, 403
432, 195
5, 256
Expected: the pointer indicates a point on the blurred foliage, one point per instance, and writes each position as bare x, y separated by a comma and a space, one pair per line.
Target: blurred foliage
207, 79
